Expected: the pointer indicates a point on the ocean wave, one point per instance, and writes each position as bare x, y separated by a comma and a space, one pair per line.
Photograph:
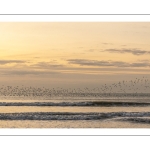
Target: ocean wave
82, 104
137, 120
70, 116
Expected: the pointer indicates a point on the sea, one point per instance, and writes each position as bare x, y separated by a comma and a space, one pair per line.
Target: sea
79, 110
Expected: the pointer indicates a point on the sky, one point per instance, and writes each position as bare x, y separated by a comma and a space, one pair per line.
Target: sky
73, 54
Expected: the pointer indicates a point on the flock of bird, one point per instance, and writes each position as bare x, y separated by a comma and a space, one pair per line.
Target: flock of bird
136, 87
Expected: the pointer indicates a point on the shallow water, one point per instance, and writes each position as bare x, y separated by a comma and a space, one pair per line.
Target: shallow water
71, 124
20, 109
70, 113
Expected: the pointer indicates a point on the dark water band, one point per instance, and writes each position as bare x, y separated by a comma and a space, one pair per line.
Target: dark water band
78, 104
71, 116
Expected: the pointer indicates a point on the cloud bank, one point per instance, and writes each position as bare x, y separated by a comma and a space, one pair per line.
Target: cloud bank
86, 62
3, 62
132, 51
47, 65
27, 72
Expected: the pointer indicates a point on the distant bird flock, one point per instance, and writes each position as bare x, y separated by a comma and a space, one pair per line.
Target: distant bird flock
134, 88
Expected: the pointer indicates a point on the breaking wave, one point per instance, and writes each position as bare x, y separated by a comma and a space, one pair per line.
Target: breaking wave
72, 116
82, 104
137, 120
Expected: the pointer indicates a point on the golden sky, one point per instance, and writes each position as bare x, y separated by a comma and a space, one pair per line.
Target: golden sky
73, 54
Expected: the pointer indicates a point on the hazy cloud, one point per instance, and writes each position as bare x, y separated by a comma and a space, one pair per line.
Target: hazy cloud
91, 50
3, 62
107, 43
86, 62
47, 65
132, 51
27, 72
